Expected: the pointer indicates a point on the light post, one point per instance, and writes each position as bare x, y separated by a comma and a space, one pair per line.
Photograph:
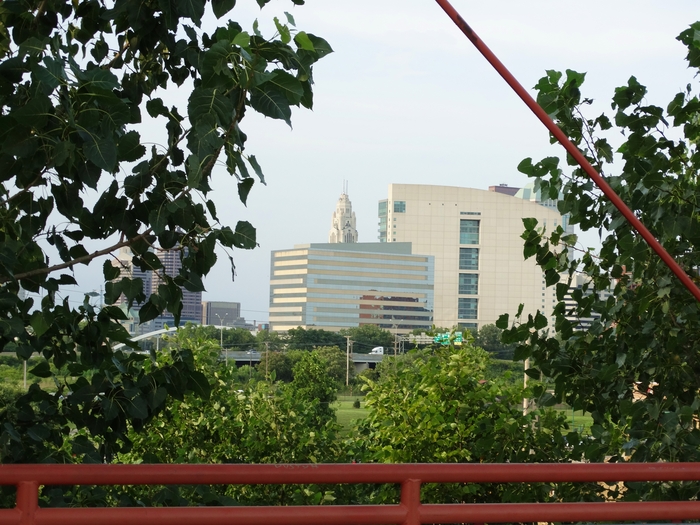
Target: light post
221, 336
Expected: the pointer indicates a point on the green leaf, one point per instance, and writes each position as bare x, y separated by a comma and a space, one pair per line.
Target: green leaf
193, 283
283, 30
137, 408
530, 223
221, 7
244, 236
242, 39
199, 384
244, 188
321, 47
256, 167
129, 147
101, 151
502, 322
210, 101
100, 79
540, 321
41, 370
193, 9
110, 271
272, 103
287, 84
302, 40
39, 324
148, 311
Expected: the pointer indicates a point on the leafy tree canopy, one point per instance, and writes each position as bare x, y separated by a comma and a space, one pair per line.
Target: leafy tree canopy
310, 338
636, 370
488, 337
368, 336
76, 81
436, 406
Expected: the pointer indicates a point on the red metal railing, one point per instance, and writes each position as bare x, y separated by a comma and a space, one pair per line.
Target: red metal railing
410, 511
570, 147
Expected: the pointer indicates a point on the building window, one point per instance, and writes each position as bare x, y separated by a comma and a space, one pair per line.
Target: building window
468, 231
468, 326
467, 308
469, 258
399, 206
382, 208
469, 283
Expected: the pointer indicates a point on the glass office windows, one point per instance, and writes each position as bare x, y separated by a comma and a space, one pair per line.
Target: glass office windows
467, 308
468, 231
399, 206
469, 258
469, 283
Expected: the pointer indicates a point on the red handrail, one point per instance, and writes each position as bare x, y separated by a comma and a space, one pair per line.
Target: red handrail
28, 479
570, 147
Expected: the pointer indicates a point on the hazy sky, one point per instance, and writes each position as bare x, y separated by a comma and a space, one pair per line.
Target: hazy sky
405, 98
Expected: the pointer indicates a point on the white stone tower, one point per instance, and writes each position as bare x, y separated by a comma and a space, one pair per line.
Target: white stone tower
343, 222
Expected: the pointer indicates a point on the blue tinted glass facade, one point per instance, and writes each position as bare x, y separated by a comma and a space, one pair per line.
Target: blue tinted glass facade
468, 308
469, 258
399, 206
468, 231
469, 283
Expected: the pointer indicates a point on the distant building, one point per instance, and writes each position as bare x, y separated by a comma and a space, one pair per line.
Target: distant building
505, 189
343, 228
191, 301
334, 286
221, 313
578, 280
128, 269
474, 236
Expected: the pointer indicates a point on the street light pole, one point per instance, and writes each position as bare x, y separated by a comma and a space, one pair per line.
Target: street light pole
221, 336
347, 360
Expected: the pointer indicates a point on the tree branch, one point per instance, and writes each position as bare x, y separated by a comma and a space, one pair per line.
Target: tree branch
78, 260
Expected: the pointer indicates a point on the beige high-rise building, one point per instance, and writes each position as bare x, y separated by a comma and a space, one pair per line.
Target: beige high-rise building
474, 236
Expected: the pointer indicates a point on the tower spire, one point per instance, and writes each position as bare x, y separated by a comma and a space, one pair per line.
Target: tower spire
343, 221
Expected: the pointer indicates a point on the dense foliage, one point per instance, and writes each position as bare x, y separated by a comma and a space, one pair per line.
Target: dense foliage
77, 79
436, 406
636, 370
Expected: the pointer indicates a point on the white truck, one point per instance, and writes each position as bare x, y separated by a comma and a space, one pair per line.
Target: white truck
377, 350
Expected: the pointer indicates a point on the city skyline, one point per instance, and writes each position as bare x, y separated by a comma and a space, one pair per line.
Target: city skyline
406, 99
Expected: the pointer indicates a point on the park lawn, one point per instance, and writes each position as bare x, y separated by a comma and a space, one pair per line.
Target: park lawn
579, 420
346, 414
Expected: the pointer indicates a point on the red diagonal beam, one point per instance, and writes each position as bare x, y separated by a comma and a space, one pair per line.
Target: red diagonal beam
570, 147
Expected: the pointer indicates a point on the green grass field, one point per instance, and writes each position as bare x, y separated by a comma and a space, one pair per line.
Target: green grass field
345, 412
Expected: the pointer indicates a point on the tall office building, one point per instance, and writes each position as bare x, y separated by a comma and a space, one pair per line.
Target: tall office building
474, 236
343, 229
343, 285
124, 262
191, 301
221, 313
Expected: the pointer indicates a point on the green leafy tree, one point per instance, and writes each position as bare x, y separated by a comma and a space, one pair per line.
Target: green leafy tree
435, 406
488, 337
76, 79
368, 336
238, 339
310, 338
636, 369
269, 341
260, 423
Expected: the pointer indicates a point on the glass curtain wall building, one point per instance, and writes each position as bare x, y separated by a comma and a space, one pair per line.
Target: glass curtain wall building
336, 286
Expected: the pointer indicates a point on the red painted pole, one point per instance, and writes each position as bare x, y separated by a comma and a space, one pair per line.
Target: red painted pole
570, 147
